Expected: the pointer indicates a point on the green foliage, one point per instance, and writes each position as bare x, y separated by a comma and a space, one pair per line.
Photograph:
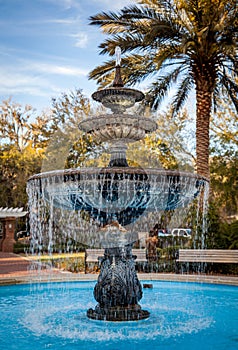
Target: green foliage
28, 140
224, 183
20, 125
221, 234
224, 161
68, 146
69, 108
21, 248
16, 166
166, 148
21, 150
226, 237
74, 265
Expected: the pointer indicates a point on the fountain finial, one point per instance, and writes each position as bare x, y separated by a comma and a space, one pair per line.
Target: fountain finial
118, 55
117, 82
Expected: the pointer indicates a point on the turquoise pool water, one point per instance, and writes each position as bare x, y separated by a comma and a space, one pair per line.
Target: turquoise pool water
184, 316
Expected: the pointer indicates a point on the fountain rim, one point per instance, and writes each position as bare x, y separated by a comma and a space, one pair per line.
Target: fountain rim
117, 170
113, 91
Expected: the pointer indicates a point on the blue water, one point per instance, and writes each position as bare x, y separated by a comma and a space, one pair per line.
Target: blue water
184, 316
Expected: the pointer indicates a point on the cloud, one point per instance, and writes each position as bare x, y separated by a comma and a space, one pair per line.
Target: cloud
66, 4
67, 21
35, 78
81, 40
50, 68
114, 5
108, 4
20, 83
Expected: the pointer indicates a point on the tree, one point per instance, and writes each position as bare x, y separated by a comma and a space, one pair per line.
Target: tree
68, 146
224, 131
16, 166
19, 125
167, 148
23, 138
224, 162
181, 43
31, 143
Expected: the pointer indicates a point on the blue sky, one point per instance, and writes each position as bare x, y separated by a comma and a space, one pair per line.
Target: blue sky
48, 47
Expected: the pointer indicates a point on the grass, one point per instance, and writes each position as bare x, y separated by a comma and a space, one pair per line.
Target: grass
56, 256
72, 262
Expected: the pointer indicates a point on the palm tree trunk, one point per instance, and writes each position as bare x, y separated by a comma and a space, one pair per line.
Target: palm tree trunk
203, 113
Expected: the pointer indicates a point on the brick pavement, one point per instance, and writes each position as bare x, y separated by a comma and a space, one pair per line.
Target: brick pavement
12, 264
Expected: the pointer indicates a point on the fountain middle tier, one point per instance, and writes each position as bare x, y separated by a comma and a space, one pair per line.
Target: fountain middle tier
119, 130
111, 127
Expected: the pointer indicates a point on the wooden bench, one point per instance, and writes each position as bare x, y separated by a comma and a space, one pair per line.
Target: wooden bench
208, 255
205, 256
95, 255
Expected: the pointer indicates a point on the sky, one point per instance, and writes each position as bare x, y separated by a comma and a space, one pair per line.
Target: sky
47, 47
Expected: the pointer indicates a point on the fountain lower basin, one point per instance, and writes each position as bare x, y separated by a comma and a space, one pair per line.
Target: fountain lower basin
183, 316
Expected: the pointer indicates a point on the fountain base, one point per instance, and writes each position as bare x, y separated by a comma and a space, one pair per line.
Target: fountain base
118, 289
118, 313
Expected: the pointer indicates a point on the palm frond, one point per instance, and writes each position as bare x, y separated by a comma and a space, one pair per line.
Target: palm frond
232, 90
168, 55
160, 88
127, 42
182, 94
134, 12
110, 22
101, 72
137, 70
216, 98
134, 68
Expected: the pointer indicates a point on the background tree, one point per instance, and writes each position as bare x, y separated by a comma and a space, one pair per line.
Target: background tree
169, 147
69, 147
23, 138
19, 125
224, 161
186, 44
221, 234
31, 143
15, 168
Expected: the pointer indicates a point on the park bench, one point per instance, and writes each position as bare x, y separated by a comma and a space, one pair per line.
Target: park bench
96, 255
225, 256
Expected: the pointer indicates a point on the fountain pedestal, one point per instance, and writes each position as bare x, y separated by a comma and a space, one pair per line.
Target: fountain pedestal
118, 289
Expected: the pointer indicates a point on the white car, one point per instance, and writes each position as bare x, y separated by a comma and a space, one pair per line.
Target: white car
182, 232
163, 233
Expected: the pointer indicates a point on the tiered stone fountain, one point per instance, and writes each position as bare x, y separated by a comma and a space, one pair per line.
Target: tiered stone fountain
114, 197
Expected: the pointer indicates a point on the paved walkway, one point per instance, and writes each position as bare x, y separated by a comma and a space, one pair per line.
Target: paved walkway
12, 264
17, 269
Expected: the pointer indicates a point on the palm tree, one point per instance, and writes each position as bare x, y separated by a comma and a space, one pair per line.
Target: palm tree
187, 44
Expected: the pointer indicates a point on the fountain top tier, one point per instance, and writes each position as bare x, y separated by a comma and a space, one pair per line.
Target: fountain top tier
117, 97
118, 128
